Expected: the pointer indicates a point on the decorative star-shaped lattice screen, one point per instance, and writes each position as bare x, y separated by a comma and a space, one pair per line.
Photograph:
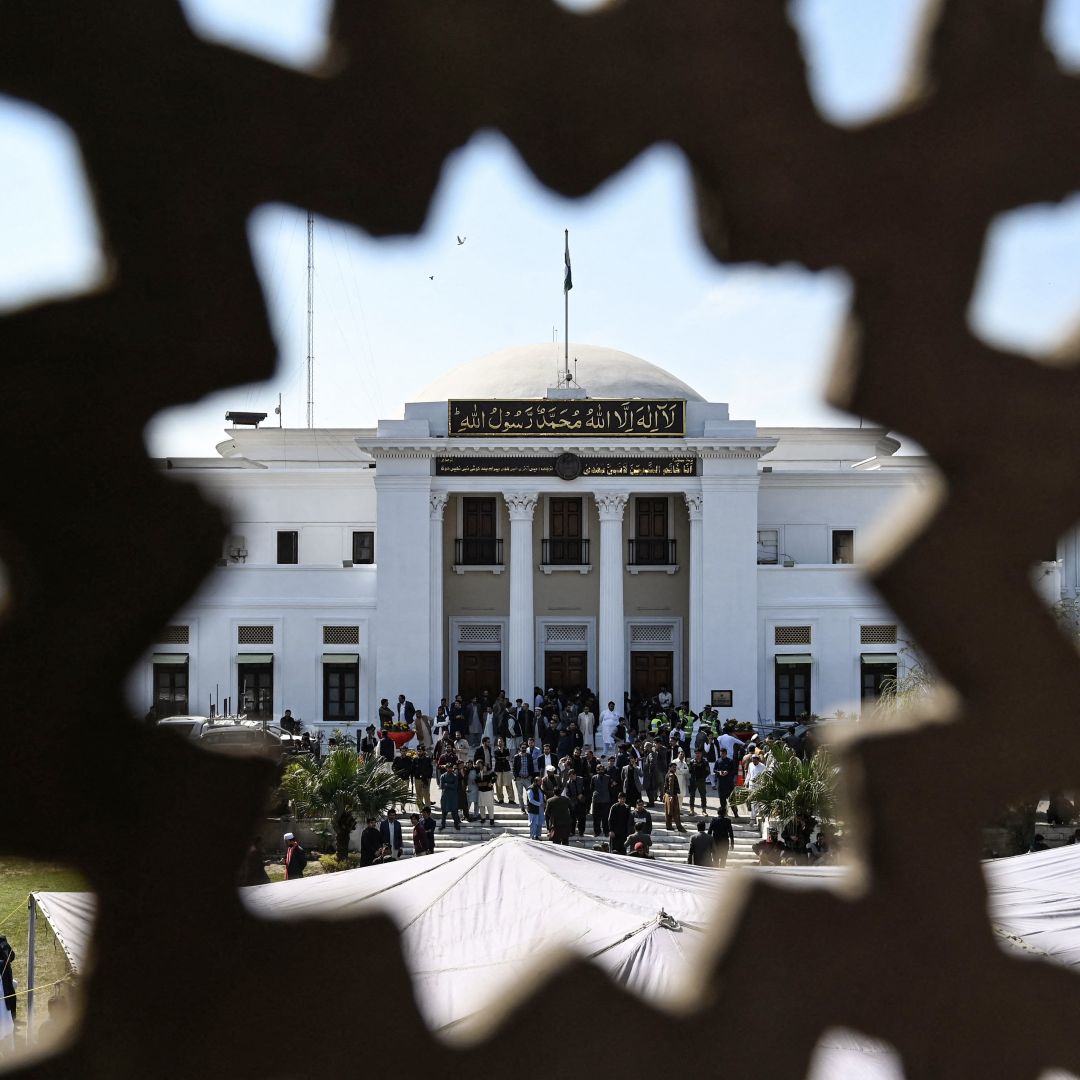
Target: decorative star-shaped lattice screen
181, 140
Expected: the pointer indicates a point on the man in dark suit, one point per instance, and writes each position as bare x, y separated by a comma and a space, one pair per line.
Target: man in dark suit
702, 850
387, 749
547, 758
524, 769
723, 836
456, 717
370, 843
579, 791
390, 833
619, 821
485, 754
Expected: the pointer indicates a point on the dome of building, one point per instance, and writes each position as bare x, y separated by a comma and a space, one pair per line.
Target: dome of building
527, 371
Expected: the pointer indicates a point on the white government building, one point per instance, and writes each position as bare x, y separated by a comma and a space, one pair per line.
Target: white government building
623, 534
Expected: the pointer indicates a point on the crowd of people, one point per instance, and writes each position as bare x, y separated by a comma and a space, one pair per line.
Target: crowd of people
571, 768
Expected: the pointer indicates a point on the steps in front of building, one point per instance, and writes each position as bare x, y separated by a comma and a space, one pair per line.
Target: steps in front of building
667, 846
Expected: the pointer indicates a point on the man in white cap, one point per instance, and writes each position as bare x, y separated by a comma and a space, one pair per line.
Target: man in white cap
295, 858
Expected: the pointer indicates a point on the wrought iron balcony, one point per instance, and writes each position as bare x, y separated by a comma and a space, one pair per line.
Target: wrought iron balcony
652, 553
573, 552
478, 552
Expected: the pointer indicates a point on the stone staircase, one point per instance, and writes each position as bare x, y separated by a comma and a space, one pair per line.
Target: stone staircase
667, 846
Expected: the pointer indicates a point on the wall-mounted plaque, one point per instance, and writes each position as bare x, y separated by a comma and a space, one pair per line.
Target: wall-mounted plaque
721, 699
596, 418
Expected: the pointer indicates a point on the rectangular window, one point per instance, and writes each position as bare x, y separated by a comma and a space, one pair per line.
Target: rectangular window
768, 547
478, 539
288, 548
363, 547
341, 635
340, 690
255, 635
843, 546
255, 689
792, 688
877, 635
791, 635
564, 546
876, 671
171, 687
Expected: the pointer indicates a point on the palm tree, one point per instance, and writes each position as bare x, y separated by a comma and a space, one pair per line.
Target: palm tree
346, 788
791, 789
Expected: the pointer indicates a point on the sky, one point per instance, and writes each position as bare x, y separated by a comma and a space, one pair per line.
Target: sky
393, 314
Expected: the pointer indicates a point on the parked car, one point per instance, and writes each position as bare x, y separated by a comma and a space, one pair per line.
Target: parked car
187, 727
248, 740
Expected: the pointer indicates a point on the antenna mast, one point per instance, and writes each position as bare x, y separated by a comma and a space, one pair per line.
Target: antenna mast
310, 319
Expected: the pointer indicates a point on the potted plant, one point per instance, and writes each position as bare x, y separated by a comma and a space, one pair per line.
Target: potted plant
345, 788
792, 791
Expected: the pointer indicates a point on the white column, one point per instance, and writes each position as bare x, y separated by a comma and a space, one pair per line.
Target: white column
699, 691
522, 677
611, 506
402, 584
436, 630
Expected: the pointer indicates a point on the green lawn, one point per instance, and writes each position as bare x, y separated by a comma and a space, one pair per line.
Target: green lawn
18, 878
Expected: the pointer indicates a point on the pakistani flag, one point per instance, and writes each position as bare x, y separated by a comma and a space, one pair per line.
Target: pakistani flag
568, 280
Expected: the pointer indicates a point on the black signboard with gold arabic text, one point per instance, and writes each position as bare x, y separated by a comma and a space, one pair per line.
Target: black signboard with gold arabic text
598, 418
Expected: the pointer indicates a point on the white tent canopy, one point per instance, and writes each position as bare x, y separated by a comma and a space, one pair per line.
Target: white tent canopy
475, 921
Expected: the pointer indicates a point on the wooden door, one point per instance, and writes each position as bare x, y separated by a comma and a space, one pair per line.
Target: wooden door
649, 671
478, 531
564, 527
650, 531
479, 671
567, 671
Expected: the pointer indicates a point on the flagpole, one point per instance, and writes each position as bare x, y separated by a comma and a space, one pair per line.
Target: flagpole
567, 286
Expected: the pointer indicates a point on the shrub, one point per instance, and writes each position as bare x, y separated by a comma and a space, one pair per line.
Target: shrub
331, 864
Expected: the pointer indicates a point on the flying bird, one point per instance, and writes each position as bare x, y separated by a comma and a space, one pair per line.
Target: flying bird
461, 240
431, 277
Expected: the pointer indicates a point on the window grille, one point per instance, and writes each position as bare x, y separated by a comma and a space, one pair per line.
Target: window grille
255, 635
480, 633
341, 635
175, 635
878, 635
572, 633
791, 635
651, 634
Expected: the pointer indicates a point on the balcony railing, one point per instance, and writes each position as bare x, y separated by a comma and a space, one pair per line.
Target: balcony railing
478, 552
565, 552
652, 553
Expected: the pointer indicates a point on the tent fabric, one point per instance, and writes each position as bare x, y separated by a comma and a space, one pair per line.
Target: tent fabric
482, 921
70, 916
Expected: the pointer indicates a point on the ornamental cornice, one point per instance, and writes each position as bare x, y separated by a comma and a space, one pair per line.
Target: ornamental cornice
400, 452
747, 452
461, 448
